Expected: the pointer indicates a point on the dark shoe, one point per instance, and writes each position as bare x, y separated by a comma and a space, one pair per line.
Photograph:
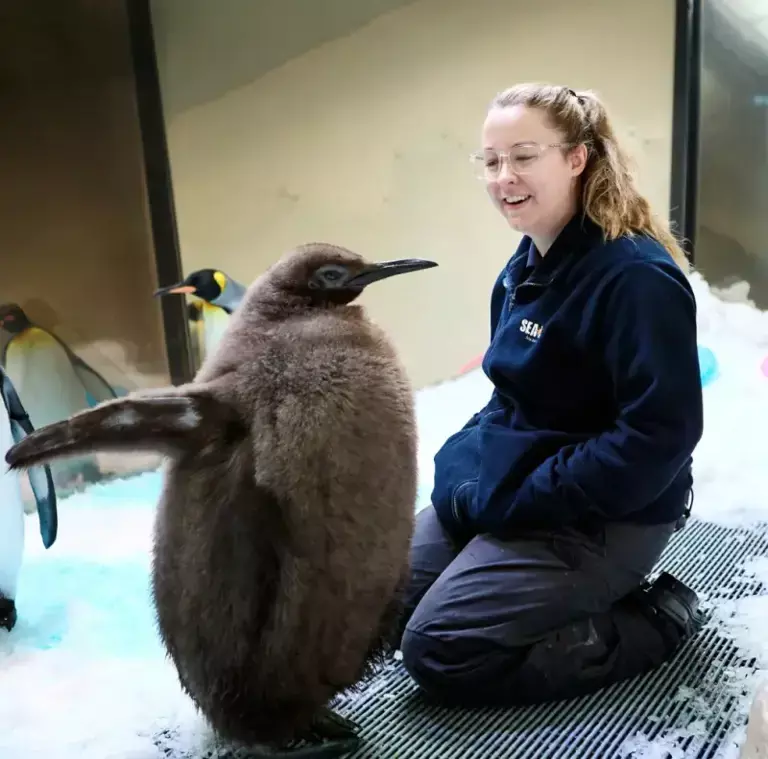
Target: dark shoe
671, 599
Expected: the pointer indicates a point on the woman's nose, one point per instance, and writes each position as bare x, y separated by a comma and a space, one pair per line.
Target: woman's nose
507, 178
506, 174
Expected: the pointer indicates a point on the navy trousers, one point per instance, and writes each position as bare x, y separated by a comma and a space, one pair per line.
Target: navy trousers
541, 618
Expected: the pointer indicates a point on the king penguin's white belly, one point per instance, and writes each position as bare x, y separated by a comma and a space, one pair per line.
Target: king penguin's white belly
44, 378
215, 322
11, 516
50, 390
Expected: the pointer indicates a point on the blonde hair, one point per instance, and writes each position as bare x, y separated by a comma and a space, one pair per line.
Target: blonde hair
609, 194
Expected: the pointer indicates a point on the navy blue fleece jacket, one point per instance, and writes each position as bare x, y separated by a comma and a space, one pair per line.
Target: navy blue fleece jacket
597, 401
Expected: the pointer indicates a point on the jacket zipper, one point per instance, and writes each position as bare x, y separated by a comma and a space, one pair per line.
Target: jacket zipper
454, 499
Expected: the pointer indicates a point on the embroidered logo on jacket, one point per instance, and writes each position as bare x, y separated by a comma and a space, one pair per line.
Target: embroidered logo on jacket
531, 330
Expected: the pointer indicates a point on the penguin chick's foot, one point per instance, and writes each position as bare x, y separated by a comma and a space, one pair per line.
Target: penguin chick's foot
326, 750
7, 614
330, 725
330, 735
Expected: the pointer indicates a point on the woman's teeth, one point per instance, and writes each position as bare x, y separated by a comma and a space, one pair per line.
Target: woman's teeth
515, 200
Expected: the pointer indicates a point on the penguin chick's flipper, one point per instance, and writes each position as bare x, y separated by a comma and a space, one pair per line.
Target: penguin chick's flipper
167, 421
40, 480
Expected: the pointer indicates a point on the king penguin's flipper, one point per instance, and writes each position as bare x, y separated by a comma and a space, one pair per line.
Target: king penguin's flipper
40, 479
97, 389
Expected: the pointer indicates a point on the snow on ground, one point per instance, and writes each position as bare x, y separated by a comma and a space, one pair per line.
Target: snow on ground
84, 677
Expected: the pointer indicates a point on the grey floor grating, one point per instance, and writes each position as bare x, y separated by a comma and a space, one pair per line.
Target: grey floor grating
703, 684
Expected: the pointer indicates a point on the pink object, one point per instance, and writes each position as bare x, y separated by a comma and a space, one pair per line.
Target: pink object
475, 362
764, 366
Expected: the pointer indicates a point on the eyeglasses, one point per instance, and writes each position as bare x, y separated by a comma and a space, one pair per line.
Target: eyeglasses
520, 160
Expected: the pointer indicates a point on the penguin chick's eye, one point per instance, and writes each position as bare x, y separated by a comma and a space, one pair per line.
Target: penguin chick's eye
328, 276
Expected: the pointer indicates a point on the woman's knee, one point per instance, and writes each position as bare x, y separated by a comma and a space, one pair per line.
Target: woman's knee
432, 665
451, 670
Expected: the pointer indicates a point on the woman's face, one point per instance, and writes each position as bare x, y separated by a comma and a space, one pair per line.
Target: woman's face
531, 179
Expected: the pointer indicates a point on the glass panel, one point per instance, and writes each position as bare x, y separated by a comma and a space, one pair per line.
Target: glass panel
79, 321
732, 214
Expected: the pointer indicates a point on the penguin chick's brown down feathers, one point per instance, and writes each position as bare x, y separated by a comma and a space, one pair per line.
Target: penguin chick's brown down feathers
283, 528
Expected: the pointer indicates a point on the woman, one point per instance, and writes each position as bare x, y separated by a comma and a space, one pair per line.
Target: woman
553, 503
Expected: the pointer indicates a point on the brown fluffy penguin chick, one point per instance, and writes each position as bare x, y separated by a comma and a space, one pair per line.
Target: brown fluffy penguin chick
284, 525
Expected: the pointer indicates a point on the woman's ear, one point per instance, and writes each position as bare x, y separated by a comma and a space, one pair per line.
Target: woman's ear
577, 158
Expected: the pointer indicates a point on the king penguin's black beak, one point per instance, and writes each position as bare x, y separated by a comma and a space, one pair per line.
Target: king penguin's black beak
386, 269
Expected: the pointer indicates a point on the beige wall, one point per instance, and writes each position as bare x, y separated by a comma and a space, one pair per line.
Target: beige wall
363, 141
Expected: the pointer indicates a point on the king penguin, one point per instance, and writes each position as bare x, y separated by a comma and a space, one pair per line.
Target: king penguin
219, 296
15, 425
53, 383
282, 536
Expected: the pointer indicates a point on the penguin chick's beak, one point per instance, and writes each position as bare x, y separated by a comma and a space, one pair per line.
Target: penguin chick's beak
174, 290
386, 269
